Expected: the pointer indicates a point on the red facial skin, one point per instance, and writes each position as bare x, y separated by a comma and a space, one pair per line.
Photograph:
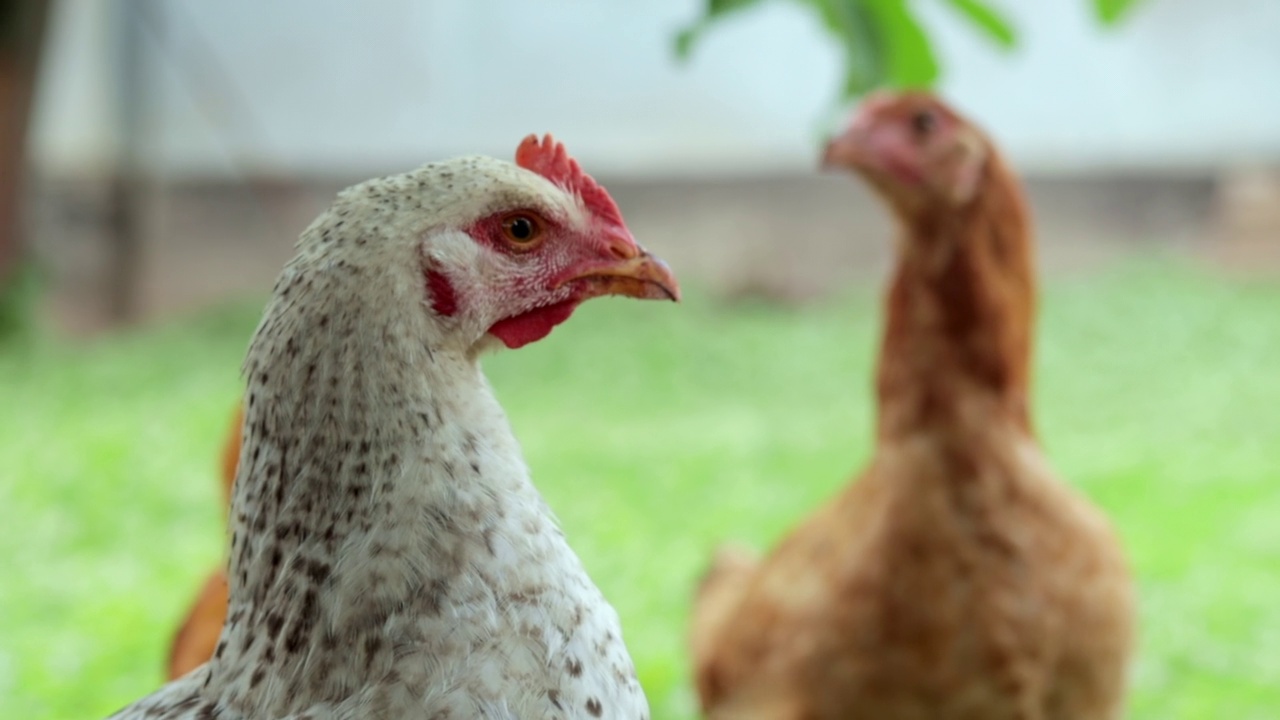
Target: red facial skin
571, 267
564, 264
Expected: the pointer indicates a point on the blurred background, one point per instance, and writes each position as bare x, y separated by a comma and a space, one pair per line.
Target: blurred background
158, 158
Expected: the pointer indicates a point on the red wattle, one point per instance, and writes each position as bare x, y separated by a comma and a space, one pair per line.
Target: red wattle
532, 326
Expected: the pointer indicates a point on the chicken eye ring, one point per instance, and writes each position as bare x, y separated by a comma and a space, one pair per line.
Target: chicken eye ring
522, 230
923, 122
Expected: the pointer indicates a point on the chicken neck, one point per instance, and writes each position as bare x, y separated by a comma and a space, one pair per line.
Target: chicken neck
381, 497
960, 314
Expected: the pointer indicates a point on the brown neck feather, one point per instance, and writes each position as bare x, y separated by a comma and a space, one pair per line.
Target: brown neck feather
960, 311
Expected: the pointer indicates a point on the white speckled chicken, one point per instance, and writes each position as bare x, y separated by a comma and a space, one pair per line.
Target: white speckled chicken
958, 578
390, 557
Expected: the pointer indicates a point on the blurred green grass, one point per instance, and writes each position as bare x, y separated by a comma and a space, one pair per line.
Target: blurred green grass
656, 431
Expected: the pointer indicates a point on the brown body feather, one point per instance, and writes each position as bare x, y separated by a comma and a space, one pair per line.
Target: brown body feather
957, 577
197, 636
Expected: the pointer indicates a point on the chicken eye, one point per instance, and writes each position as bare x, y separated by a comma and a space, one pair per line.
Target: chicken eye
923, 122
521, 229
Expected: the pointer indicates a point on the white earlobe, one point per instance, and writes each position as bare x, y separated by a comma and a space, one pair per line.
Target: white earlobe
452, 248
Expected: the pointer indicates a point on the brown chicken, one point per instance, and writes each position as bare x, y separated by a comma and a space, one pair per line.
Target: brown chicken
958, 577
198, 635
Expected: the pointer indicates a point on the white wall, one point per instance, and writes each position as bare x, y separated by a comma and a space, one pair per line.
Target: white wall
339, 86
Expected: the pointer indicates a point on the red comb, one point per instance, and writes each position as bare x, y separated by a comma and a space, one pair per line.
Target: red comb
548, 158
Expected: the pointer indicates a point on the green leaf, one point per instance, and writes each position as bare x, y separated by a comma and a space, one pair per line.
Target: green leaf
859, 37
910, 59
688, 36
987, 20
716, 8
1111, 12
685, 39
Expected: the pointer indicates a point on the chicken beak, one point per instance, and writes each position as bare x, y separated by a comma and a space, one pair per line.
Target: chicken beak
844, 151
643, 276
852, 148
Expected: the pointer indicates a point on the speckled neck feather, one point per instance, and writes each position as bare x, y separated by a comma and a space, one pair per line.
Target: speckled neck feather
341, 407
